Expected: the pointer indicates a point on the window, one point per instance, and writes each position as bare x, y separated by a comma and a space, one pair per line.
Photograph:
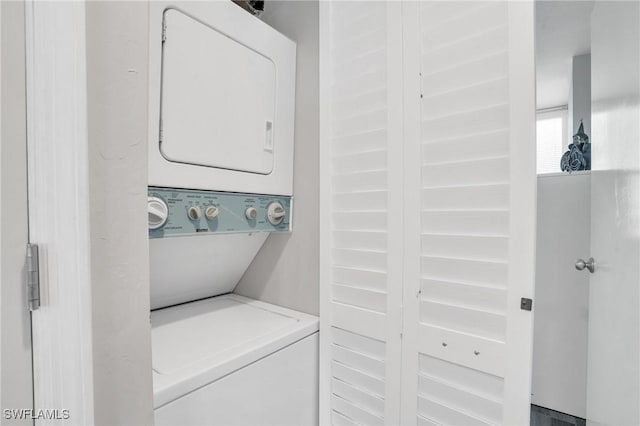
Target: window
552, 139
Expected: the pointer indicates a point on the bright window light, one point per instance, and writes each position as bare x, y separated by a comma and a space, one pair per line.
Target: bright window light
552, 140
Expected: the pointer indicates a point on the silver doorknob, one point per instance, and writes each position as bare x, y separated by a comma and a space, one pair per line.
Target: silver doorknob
589, 264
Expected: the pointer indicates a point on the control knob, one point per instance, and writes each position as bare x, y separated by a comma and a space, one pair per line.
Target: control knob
251, 213
194, 213
275, 213
211, 212
158, 212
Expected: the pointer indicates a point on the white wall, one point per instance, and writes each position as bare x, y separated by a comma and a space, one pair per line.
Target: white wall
15, 387
580, 95
562, 293
117, 37
613, 383
285, 271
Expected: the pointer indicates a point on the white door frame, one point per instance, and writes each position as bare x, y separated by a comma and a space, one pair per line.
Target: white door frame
59, 206
16, 385
523, 205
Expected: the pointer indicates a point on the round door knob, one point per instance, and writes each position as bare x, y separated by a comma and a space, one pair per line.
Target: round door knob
211, 212
275, 213
194, 213
158, 212
590, 265
251, 213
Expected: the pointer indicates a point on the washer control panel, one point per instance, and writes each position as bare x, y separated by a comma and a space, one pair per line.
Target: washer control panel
180, 212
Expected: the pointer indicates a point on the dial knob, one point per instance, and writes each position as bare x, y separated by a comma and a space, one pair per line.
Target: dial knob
211, 212
194, 213
251, 213
158, 212
275, 213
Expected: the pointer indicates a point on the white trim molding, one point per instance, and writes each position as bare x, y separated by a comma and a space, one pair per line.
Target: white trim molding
59, 207
325, 222
0, 196
523, 202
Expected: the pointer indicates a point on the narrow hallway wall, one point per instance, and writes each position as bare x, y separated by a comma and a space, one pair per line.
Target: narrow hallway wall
117, 85
285, 271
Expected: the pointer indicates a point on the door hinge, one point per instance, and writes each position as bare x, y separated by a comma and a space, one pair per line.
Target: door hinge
33, 277
526, 304
164, 30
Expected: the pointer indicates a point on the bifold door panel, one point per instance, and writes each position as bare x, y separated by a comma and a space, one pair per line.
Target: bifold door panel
465, 180
361, 345
218, 99
429, 164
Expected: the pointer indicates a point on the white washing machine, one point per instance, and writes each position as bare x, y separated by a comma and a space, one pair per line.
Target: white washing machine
222, 87
219, 358
231, 360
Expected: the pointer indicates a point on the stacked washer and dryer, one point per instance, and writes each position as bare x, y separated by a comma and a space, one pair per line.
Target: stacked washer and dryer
222, 87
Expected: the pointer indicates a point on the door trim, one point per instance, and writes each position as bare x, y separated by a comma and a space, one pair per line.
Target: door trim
411, 215
523, 204
16, 386
57, 155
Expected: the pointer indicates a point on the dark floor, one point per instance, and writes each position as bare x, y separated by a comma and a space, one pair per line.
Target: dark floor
541, 416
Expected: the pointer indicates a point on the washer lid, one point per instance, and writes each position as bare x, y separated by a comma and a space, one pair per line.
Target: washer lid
187, 334
197, 343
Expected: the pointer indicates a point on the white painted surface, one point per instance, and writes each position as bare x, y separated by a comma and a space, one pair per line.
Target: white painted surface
562, 32
468, 205
16, 390
562, 294
1, 203
117, 87
1, 169
412, 219
580, 96
362, 189
613, 380
285, 271
472, 342
198, 343
183, 269
59, 207
324, 222
231, 21
279, 389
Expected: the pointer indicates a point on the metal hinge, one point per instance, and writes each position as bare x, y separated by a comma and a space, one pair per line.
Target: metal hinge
164, 31
33, 277
160, 132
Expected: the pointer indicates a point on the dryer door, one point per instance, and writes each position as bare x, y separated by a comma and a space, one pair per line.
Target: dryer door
218, 99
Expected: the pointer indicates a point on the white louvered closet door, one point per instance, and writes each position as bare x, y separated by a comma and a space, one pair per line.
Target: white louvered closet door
467, 348
362, 207
428, 212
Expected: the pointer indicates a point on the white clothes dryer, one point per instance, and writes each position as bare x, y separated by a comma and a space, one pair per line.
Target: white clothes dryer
221, 101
